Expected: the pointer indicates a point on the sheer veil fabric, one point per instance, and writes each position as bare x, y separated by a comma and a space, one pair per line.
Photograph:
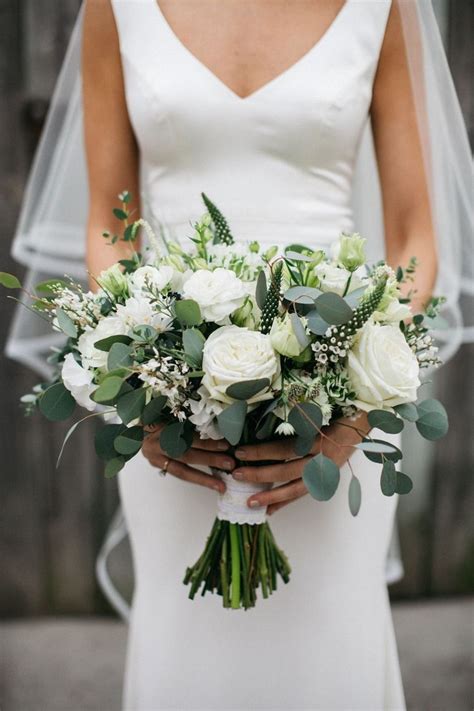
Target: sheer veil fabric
50, 236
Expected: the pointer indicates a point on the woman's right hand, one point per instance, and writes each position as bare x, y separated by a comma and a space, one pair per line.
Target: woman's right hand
204, 452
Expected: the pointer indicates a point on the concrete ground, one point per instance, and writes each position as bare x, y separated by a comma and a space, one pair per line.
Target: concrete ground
77, 664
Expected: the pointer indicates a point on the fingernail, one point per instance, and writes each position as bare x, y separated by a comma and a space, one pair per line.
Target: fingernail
222, 445
228, 464
240, 453
253, 503
238, 475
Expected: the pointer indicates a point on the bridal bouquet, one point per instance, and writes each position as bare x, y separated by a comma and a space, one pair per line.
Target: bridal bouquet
243, 342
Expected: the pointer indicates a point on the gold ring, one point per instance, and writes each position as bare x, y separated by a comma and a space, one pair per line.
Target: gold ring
165, 466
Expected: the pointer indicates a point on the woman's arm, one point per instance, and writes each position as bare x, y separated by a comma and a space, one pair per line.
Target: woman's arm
111, 148
112, 161
409, 232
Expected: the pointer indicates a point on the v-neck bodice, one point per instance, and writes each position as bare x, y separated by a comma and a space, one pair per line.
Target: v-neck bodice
278, 162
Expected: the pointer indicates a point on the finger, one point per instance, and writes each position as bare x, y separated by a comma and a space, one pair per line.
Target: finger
280, 493
199, 457
281, 504
182, 471
275, 450
271, 472
210, 445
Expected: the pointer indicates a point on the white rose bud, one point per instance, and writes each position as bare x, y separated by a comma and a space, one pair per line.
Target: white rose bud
150, 277
283, 339
382, 369
233, 355
219, 293
351, 252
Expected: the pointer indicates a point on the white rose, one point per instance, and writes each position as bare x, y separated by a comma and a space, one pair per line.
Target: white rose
156, 278
139, 311
283, 338
218, 293
232, 355
109, 326
394, 312
383, 370
334, 278
78, 381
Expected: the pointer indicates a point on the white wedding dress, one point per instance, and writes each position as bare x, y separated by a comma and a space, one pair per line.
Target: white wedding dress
279, 164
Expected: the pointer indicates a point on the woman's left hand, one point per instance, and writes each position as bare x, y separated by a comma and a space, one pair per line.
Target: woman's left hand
337, 444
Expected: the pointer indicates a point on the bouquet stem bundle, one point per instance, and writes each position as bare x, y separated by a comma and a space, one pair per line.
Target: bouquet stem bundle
237, 560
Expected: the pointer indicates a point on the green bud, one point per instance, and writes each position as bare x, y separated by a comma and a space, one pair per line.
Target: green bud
351, 253
114, 281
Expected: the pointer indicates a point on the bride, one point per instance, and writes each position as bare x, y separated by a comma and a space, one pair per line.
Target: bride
268, 106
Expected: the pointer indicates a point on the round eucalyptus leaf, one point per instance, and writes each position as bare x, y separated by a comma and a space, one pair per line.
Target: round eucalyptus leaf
193, 344
130, 406
303, 445
404, 483
377, 445
152, 411
388, 479
129, 442
247, 388
408, 411
119, 356
297, 256
333, 309
386, 421
432, 422
104, 441
105, 344
355, 495
57, 403
108, 389
231, 421
321, 476
172, 440
188, 312
302, 294
144, 333
316, 324
113, 467
66, 324
306, 419
394, 456
353, 298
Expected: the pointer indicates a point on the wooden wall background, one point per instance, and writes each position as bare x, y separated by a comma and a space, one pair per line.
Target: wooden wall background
53, 522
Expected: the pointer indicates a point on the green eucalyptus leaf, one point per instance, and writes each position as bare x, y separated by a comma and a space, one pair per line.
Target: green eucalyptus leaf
333, 309
193, 344
404, 484
172, 440
113, 467
394, 456
104, 441
408, 411
66, 324
129, 442
153, 410
299, 330
355, 496
303, 445
377, 446
302, 294
130, 406
316, 324
247, 389
432, 422
120, 356
297, 256
188, 312
321, 476
353, 298
105, 344
50, 285
261, 289
306, 418
231, 421
144, 333
386, 421
9, 281
108, 389
266, 426
57, 403
388, 479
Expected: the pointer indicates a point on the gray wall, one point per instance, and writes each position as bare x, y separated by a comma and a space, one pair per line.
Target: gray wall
53, 521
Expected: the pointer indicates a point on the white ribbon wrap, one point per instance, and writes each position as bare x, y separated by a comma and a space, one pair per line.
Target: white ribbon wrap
232, 506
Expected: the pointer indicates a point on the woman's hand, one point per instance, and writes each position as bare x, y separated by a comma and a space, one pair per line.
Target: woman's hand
204, 452
337, 443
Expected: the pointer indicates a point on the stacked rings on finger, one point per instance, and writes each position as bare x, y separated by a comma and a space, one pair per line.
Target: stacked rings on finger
164, 468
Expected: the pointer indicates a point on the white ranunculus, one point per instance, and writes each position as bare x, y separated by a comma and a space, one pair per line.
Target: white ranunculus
334, 278
218, 293
232, 355
382, 369
205, 411
283, 338
139, 311
394, 312
156, 278
109, 326
78, 381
